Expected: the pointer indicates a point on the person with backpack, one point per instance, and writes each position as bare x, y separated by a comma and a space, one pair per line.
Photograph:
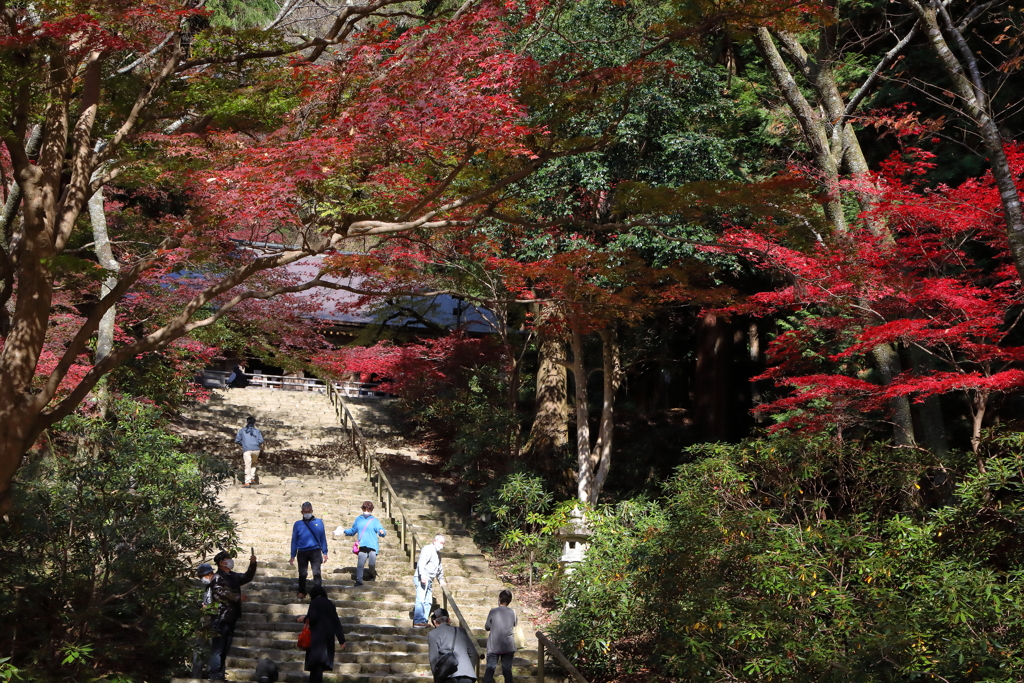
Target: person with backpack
501, 642
227, 592
367, 529
251, 441
452, 657
309, 545
324, 627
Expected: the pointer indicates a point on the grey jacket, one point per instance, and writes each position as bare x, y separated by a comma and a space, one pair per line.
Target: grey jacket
500, 622
429, 566
440, 639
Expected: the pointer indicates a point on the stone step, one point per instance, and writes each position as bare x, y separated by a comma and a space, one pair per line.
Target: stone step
355, 644
374, 664
332, 677
283, 592
355, 611
313, 461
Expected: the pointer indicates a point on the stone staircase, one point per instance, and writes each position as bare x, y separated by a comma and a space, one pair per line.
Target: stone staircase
308, 458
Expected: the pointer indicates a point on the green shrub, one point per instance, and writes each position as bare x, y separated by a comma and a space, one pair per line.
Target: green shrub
797, 560
601, 610
517, 512
99, 554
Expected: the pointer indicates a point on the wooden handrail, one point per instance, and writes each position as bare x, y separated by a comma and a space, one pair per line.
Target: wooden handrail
406, 533
266, 381
446, 599
544, 642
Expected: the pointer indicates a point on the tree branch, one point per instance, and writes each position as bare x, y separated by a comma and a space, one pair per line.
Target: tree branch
10, 210
443, 185
140, 102
178, 326
887, 60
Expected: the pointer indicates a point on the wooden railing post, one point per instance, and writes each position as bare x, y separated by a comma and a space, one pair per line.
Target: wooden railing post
406, 533
542, 642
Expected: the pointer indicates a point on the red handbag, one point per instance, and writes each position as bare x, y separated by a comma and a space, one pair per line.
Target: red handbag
306, 637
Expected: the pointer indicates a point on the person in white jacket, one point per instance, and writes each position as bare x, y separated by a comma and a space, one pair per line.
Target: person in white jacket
428, 568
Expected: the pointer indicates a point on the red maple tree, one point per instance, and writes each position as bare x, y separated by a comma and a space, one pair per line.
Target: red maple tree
941, 281
365, 129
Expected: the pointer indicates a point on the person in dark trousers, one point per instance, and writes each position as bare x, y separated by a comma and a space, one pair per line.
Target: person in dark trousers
200, 651
309, 545
444, 638
227, 592
367, 529
501, 641
324, 627
237, 378
251, 440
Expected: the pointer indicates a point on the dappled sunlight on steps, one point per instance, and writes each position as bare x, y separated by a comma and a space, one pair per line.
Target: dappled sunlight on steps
383, 646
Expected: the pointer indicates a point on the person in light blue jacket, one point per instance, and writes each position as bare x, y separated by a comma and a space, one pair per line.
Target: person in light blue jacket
367, 529
309, 543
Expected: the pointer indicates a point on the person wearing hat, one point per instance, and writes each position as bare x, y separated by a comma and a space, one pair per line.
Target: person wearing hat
446, 638
205, 574
266, 671
227, 592
251, 441
309, 544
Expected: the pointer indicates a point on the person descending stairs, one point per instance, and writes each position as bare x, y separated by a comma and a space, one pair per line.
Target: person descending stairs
307, 459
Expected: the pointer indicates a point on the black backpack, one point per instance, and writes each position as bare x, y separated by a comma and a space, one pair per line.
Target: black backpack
447, 663
266, 671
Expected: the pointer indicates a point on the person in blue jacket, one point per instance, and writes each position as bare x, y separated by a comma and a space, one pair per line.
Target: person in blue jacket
251, 441
367, 529
309, 544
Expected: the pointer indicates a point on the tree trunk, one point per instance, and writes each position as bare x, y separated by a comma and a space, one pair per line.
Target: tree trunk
978, 402
105, 331
98, 217
829, 153
971, 92
550, 430
756, 368
712, 378
811, 125
583, 459
612, 368
931, 425
888, 364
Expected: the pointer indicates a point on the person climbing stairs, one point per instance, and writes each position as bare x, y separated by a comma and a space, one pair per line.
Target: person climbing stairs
308, 459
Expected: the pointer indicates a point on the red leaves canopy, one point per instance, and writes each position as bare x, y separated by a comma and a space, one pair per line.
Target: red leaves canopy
939, 279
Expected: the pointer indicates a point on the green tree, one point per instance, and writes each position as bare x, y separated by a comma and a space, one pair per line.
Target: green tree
803, 559
98, 557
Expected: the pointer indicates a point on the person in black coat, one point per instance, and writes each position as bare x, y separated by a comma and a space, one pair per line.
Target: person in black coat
324, 626
237, 378
227, 592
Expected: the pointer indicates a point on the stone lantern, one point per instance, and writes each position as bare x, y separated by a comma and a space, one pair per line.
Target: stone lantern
575, 538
